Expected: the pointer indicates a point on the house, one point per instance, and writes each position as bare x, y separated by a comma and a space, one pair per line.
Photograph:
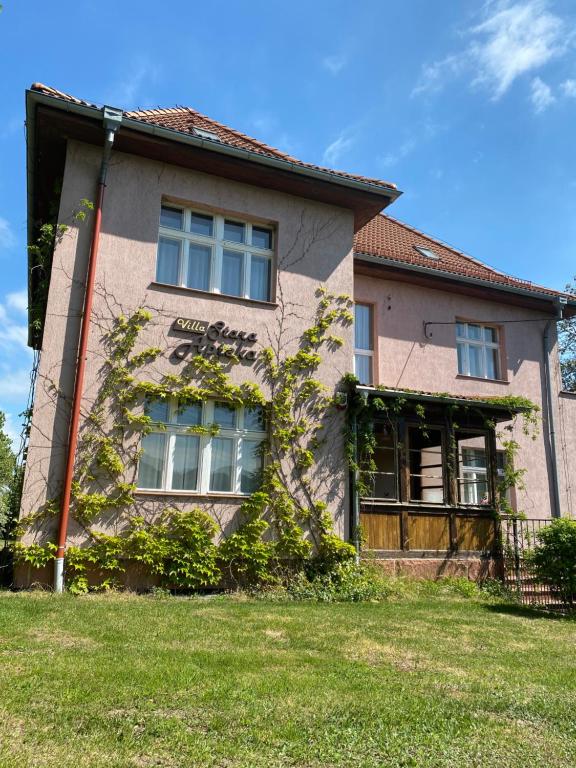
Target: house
203, 275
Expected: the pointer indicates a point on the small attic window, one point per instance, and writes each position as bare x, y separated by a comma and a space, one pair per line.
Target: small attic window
203, 134
427, 252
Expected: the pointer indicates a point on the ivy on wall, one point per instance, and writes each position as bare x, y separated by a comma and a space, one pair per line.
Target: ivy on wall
283, 522
361, 441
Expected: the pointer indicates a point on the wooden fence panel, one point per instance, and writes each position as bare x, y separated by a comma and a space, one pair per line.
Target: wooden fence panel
381, 531
475, 534
429, 532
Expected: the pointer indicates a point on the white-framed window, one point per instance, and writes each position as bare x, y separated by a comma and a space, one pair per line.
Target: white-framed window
363, 343
478, 350
214, 253
176, 458
473, 475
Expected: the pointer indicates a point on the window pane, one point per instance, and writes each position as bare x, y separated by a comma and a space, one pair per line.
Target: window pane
224, 416
200, 257
185, 463
254, 419
426, 465
190, 415
170, 217
261, 238
201, 224
151, 464
461, 329
251, 469
232, 273
491, 363
475, 360
234, 231
260, 278
363, 368
157, 410
222, 464
362, 326
474, 457
384, 479
168, 261
462, 359
474, 331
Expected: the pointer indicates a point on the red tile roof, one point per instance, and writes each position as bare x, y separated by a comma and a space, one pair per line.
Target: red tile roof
185, 120
393, 240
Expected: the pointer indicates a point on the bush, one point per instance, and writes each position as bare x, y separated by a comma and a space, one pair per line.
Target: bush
347, 582
553, 559
332, 552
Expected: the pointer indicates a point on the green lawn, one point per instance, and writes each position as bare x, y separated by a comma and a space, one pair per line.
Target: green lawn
140, 681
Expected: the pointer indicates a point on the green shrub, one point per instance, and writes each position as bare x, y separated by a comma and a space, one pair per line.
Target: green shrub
332, 552
553, 559
347, 582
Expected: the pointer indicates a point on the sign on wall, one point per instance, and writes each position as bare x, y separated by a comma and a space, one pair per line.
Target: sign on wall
213, 339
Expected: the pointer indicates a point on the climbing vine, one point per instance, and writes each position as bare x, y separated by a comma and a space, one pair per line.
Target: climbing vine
363, 412
284, 522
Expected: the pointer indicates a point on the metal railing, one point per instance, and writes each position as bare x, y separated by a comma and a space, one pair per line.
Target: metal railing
518, 537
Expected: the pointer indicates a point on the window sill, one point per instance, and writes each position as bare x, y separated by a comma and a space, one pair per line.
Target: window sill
193, 494
209, 295
480, 378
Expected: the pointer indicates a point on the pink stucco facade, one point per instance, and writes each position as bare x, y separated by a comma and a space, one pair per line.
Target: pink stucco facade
313, 247
406, 358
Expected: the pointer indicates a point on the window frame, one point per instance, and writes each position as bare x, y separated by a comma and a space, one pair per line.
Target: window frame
217, 245
465, 342
361, 352
239, 435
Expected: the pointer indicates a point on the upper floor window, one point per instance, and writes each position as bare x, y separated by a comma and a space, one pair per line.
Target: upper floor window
363, 343
478, 350
177, 456
214, 253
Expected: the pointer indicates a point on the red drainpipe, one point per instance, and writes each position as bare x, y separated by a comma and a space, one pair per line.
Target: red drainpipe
112, 119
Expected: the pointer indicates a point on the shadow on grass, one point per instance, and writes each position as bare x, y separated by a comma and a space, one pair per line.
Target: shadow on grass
532, 611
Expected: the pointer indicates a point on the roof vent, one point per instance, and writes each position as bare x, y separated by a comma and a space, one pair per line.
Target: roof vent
203, 134
427, 252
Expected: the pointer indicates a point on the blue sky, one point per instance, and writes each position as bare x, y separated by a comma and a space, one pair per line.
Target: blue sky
469, 107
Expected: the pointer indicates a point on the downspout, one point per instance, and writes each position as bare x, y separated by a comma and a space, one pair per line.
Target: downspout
355, 510
112, 119
556, 507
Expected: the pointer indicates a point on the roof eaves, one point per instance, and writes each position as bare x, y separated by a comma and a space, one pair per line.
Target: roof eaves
434, 270
70, 104
442, 397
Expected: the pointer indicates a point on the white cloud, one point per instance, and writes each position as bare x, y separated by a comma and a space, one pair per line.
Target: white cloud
7, 239
541, 95
334, 64
129, 92
13, 428
18, 301
339, 147
422, 133
514, 38
392, 158
15, 385
568, 88
13, 332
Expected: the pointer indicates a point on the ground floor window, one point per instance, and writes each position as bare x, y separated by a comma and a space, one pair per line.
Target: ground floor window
175, 457
430, 464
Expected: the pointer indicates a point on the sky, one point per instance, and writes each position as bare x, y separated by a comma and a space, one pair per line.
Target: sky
468, 106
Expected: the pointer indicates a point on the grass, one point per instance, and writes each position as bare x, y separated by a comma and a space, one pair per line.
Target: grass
431, 680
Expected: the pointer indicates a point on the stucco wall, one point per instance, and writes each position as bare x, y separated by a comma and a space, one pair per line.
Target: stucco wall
313, 247
406, 358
